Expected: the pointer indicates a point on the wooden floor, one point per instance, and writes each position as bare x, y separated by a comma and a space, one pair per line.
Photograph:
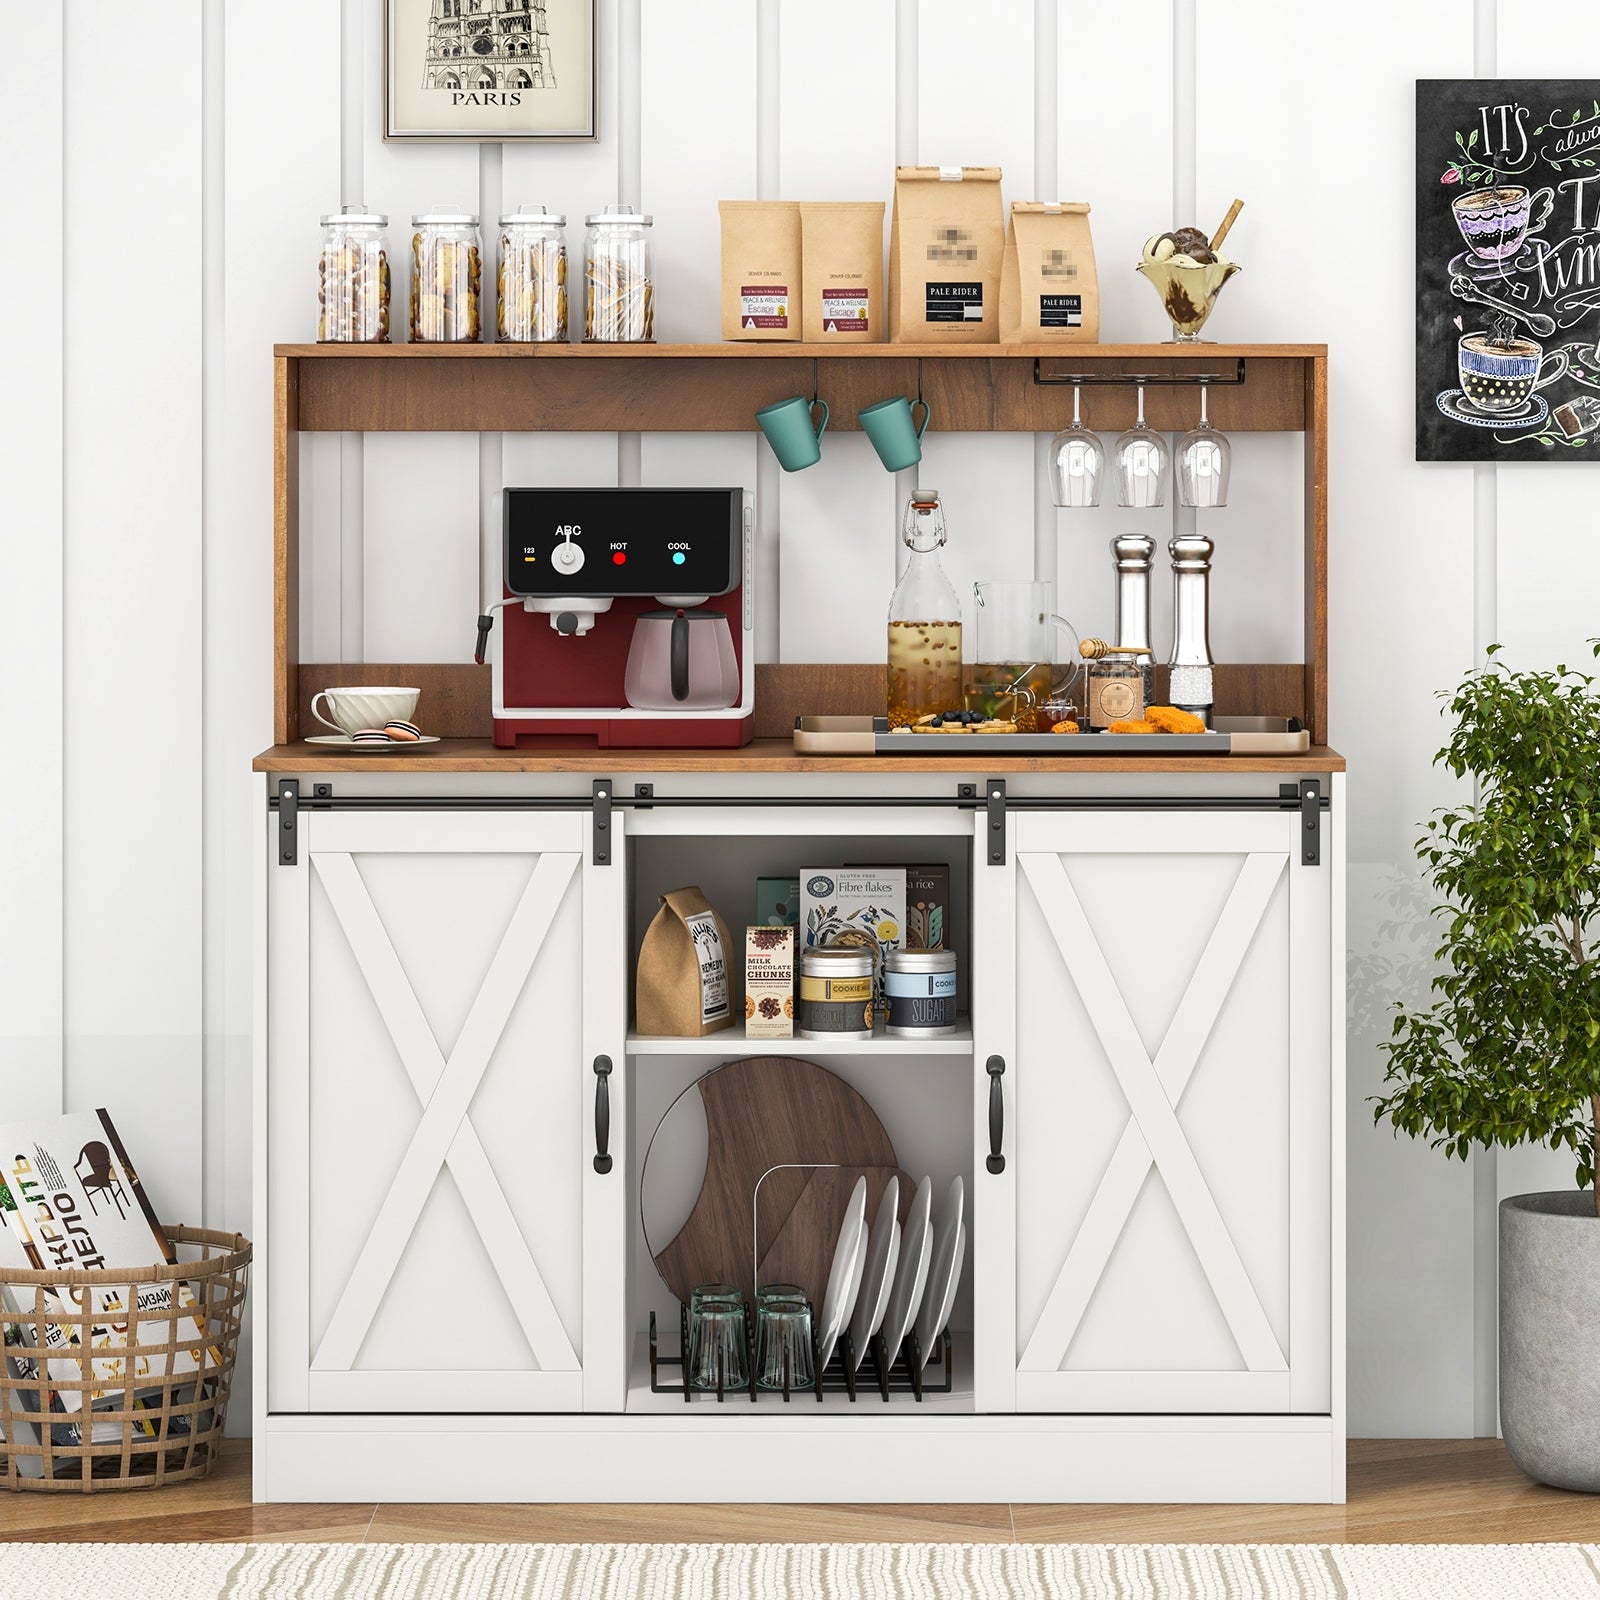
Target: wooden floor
1401, 1490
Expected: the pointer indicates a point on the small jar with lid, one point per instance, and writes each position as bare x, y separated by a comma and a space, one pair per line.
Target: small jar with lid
618, 289
532, 277
353, 286
921, 986
1114, 689
836, 992
446, 278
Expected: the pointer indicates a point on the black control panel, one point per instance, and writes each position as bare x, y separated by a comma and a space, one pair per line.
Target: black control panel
623, 541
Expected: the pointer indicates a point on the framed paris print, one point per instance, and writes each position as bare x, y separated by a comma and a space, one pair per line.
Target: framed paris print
489, 69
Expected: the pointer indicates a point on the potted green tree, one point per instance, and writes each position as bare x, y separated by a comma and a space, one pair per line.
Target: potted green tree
1508, 1050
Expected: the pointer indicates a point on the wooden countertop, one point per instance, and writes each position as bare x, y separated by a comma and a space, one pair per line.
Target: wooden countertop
763, 755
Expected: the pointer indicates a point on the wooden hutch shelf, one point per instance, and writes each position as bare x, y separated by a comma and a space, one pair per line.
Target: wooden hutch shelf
717, 388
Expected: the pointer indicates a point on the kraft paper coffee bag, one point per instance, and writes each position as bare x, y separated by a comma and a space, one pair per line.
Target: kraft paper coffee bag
685, 978
841, 269
1048, 288
945, 249
760, 269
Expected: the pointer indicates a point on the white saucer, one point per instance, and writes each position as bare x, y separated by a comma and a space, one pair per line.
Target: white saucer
911, 1275
343, 741
1483, 270
844, 1280
883, 1252
1458, 408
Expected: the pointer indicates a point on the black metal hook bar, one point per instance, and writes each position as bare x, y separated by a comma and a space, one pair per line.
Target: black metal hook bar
1132, 380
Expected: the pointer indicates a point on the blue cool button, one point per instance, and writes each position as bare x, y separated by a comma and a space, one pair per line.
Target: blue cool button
677, 558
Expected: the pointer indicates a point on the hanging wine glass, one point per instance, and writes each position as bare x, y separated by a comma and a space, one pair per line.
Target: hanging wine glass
1141, 464
1202, 463
1076, 457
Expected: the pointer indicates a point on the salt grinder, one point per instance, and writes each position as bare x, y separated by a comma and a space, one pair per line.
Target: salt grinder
1190, 686
1132, 556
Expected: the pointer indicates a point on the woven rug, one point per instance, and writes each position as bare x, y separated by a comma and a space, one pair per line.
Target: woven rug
799, 1572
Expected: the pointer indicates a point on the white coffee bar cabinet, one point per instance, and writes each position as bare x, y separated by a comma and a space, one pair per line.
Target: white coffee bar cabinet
1144, 1099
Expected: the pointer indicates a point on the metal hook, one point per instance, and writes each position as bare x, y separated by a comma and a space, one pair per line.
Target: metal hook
816, 379
920, 400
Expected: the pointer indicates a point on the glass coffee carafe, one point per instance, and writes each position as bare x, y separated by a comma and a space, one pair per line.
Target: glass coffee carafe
924, 621
1025, 657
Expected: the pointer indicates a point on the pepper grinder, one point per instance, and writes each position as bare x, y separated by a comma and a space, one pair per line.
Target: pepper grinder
1132, 557
1190, 685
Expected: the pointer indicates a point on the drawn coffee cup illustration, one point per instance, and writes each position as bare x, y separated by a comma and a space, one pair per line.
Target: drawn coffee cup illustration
1496, 222
1499, 374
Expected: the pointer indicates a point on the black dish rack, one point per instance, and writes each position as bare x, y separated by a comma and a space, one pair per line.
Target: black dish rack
905, 1374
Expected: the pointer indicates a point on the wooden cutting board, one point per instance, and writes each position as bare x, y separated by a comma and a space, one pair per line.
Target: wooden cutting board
764, 1112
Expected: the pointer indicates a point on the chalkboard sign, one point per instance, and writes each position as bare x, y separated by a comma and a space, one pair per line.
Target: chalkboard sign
1508, 269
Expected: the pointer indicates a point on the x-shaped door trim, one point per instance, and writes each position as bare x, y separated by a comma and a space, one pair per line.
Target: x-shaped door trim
445, 1135
1153, 1133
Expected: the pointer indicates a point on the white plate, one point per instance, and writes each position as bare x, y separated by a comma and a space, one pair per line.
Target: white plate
948, 1247
344, 742
844, 1278
883, 1251
911, 1275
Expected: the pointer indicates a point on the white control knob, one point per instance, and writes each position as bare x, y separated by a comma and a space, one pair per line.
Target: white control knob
567, 558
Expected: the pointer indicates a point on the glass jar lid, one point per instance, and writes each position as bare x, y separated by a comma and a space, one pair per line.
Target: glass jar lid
356, 214
445, 219
533, 214
921, 961
617, 214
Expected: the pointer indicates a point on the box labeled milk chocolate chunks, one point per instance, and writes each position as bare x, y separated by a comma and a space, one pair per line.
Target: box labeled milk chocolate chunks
1048, 286
769, 956
946, 244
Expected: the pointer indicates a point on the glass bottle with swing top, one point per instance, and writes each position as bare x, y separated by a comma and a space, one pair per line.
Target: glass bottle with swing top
924, 621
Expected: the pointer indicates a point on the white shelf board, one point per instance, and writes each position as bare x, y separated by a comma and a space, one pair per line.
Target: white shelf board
739, 1410
732, 1041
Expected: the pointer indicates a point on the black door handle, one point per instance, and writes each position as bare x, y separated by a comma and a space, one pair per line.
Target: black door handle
602, 1113
996, 1067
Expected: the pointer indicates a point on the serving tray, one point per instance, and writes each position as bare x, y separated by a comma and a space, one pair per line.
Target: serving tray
1228, 736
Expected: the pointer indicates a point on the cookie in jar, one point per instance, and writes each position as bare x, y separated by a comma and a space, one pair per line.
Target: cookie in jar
446, 278
531, 280
353, 278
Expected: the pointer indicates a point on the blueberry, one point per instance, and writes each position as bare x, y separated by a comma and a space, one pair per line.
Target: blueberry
936, 721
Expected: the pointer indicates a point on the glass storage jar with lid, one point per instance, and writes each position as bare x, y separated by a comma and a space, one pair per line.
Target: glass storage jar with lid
618, 291
532, 277
924, 621
446, 278
353, 286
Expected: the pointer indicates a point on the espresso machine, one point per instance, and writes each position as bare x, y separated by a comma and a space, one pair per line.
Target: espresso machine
627, 620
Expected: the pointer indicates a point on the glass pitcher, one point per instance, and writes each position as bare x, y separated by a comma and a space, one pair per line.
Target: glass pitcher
1025, 654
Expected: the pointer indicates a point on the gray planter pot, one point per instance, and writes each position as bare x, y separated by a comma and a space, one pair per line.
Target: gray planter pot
1550, 1336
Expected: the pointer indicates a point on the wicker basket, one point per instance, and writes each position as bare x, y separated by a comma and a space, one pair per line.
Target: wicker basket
168, 1429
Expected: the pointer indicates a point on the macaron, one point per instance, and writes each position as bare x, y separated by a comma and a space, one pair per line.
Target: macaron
369, 736
403, 732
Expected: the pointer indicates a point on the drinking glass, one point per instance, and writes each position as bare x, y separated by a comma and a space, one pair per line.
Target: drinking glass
1202, 462
705, 1293
1141, 464
783, 1343
1076, 457
716, 1347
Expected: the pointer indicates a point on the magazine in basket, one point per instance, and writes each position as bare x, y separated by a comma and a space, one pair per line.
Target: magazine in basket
71, 1199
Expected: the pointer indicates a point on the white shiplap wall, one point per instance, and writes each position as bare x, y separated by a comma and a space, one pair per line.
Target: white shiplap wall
137, 474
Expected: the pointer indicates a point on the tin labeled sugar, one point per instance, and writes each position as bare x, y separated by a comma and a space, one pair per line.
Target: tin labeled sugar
922, 993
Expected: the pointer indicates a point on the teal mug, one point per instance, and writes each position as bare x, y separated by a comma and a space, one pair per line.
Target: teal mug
896, 438
787, 425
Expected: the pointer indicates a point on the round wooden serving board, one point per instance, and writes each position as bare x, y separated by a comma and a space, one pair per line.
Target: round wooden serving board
777, 1111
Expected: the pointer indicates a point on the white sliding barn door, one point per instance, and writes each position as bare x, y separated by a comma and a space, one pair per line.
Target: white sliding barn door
1171, 1115
430, 1115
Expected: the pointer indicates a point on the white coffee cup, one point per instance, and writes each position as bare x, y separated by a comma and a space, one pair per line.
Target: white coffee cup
361, 707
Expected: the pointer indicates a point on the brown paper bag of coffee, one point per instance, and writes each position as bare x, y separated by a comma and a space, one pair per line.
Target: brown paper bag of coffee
760, 269
686, 969
841, 271
945, 248
1048, 288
